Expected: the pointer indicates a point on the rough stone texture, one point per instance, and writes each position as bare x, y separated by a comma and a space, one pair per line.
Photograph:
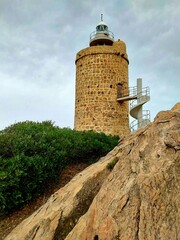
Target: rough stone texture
138, 200
141, 197
99, 70
56, 218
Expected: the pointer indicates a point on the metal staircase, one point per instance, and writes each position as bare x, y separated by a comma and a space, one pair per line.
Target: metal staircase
137, 96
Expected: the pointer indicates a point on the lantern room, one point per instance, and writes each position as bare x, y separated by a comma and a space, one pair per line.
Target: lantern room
102, 35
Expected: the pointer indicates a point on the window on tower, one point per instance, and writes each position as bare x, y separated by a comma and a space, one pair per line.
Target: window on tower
101, 28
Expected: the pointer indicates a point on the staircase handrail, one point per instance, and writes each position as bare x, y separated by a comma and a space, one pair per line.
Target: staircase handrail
145, 119
140, 97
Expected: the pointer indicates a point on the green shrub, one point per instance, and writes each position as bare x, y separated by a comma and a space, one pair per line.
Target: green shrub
32, 154
111, 164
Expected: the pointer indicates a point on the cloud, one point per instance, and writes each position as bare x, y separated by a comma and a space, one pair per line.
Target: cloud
39, 41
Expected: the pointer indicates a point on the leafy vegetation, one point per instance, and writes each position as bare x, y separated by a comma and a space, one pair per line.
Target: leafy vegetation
32, 154
111, 164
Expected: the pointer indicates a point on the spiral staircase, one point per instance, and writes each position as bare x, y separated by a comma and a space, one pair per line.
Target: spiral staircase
137, 96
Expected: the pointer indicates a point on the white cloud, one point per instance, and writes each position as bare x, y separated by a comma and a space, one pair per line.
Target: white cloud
39, 41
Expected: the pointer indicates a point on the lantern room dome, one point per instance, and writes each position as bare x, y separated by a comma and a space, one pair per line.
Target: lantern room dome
101, 23
102, 35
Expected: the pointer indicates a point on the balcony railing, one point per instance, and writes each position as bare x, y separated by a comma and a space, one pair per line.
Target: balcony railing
100, 34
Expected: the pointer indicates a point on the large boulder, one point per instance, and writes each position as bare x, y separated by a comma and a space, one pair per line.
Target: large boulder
139, 199
56, 218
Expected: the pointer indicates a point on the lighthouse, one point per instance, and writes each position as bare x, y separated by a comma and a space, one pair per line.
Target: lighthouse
101, 78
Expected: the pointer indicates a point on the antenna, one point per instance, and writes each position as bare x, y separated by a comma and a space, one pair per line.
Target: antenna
101, 17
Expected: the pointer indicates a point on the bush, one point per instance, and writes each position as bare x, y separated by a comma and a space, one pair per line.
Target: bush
32, 154
111, 164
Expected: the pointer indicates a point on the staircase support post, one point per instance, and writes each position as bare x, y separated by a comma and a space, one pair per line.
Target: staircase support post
139, 97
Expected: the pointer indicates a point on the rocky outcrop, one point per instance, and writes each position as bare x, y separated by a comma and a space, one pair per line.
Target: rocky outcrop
56, 218
139, 199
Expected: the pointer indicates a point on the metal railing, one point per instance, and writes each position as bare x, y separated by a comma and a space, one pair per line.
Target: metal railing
97, 34
141, 97
131, 91
142, 122
137, 96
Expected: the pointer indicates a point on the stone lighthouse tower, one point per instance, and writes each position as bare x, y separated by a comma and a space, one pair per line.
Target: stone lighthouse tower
101, 78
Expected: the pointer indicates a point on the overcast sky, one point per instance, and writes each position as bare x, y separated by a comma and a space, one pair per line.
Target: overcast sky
39, 40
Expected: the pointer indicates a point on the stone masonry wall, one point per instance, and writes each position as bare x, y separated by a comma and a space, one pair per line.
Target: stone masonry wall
99, 70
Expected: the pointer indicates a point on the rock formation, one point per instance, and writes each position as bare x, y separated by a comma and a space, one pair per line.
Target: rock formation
138, 199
